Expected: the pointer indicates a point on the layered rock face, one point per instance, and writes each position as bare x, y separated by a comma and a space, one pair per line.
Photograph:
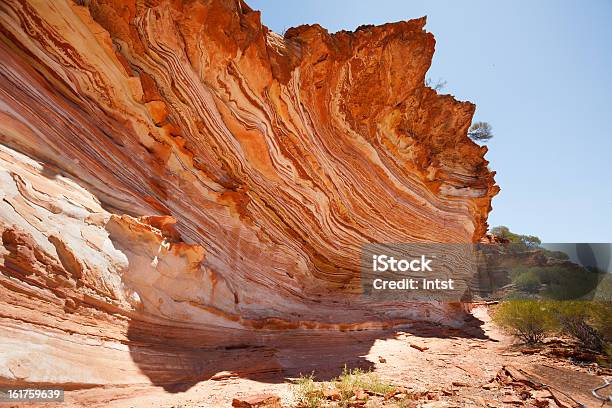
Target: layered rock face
173, 170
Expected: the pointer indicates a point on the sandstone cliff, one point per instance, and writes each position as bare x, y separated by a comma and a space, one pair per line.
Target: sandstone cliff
174, 171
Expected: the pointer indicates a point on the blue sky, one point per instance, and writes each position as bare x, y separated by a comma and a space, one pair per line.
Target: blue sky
540, 72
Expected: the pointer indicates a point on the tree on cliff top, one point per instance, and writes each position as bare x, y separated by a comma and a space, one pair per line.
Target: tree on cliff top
530, 241
480, 132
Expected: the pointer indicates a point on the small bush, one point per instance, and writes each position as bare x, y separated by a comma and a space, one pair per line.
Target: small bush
569, 283
351, 380
527, 282
560, 282
307, 392
555, 254
529, 320
588, 322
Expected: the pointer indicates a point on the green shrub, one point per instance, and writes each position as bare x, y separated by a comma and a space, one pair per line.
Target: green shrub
560, 255
589, 322
560, 282
529, 320
527, 282
569, 283
357, 378
307, 392
519, 242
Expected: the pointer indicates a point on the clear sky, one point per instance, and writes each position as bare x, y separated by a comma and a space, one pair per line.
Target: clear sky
540, 72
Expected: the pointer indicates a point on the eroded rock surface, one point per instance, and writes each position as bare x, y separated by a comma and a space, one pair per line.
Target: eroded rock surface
177, 178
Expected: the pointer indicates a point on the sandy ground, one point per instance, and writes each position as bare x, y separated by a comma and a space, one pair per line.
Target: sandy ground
468, 358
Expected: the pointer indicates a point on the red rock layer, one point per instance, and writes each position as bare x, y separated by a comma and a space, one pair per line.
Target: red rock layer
176, 165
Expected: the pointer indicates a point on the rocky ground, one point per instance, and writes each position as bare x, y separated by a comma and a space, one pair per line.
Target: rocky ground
431, 366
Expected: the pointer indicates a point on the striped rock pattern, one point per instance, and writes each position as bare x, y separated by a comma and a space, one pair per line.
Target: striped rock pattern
171, 168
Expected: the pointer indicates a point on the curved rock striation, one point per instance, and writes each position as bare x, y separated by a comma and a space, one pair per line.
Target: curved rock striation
173, 171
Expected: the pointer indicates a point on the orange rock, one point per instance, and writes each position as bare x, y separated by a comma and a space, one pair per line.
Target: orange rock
460, 384
224, 375
257, 401
420, 348
158, 111
511, 399
331, 394
360, 394
542, 402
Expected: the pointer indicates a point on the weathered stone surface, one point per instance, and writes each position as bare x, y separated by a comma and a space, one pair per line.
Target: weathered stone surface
175, 173
257, 401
